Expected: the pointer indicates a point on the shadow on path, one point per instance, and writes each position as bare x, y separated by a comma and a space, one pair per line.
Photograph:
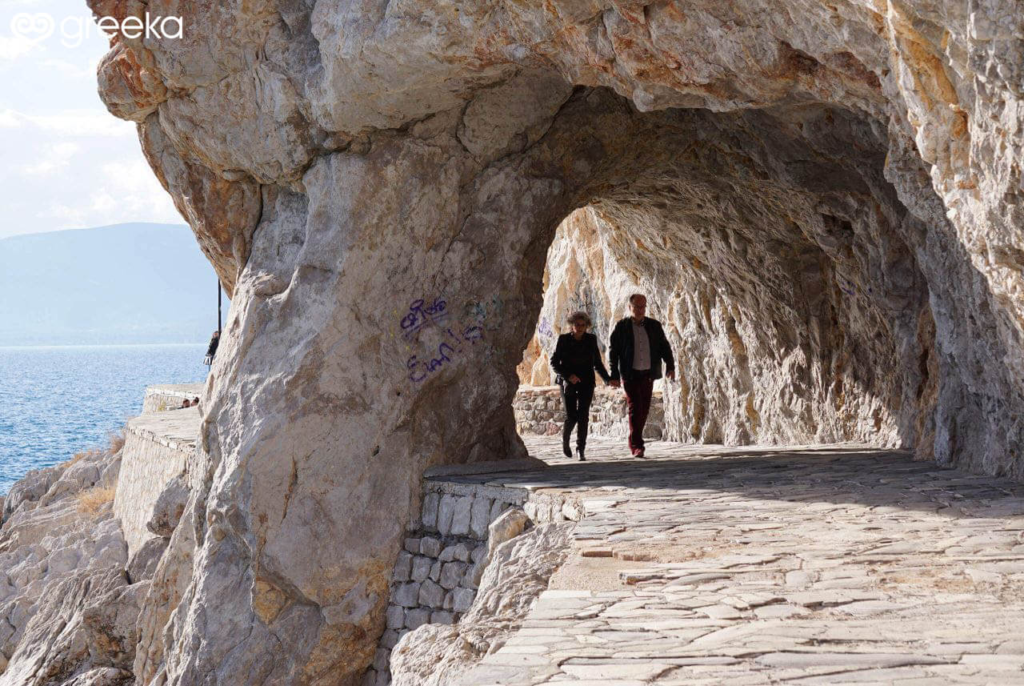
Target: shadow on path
870, 477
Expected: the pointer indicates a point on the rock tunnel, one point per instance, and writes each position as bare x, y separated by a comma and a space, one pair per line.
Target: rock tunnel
823, 202
773, 253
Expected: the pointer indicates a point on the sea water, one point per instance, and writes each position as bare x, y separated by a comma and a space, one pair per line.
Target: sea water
57, 401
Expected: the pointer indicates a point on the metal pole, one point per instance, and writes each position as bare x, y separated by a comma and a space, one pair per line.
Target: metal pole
218, 305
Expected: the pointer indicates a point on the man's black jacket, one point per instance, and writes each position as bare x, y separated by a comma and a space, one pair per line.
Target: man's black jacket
620, 356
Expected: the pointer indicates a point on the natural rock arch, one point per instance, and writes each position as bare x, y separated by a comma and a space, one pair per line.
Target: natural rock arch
341, 164
765, 252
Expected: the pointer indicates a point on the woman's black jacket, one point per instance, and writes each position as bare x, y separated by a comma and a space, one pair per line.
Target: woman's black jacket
579, 357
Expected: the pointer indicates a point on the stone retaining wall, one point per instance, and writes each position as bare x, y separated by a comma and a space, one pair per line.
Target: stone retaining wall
539, 411
436, 577
164, 397
157, 448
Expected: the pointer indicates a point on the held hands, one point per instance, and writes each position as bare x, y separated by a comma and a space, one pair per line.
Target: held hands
615, 383
573, 379
671, 374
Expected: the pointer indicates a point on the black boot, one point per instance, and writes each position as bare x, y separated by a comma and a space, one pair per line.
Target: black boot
580, 454
566, 433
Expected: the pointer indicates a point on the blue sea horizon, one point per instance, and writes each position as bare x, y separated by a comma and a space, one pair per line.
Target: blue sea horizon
58, 400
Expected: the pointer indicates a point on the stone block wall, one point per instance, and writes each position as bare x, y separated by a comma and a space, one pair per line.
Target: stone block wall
153, 455
539, 411
436, 577
163, 397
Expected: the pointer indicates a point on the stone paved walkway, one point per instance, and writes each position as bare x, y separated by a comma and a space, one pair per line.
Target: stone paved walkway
834, 565
179, 427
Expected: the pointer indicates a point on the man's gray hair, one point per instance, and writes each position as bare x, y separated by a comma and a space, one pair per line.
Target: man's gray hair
636, 295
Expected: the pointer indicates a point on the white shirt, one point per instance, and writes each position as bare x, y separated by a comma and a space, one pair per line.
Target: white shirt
641, 347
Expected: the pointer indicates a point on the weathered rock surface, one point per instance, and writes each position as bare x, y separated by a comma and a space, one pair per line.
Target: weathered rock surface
110, 622
143, 563
824, 201
104, 676
69, 613
169, 507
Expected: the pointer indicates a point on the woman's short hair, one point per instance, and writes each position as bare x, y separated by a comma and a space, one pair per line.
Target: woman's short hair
579, 315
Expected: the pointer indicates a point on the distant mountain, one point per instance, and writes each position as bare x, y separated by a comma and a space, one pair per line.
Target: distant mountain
128, 283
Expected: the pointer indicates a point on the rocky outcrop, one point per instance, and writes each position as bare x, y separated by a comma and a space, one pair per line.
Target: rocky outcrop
824, 199
69, 611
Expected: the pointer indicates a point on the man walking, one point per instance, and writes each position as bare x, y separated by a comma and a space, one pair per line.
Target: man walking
638, 346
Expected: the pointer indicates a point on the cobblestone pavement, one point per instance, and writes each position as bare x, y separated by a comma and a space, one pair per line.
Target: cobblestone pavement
821, 565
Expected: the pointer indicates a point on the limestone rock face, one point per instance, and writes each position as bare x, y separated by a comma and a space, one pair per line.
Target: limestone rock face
110, 623
143, 563
822, 200
27, 491
221, 208
169, 508
69, 613
104, 676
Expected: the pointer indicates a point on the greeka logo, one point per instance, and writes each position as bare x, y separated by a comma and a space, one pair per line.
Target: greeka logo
34, 28
74, 30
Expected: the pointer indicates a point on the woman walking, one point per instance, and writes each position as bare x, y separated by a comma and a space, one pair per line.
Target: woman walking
575, 359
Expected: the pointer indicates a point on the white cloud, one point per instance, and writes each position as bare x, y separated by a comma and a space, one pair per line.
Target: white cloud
65, 162
56, 157
103, 202
13, 47
70, 123
127, 191
72, 218
82, 123
9, 119
71, 70
128, 175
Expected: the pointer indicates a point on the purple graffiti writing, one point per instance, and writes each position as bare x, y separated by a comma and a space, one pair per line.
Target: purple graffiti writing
447, 351
420, 315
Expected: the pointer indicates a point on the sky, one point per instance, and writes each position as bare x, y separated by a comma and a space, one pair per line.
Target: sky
65, 162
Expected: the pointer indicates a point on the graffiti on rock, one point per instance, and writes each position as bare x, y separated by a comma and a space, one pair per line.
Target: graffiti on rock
434, 340
447, 352
421, 314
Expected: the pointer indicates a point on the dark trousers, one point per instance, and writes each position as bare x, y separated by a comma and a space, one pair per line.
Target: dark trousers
577, 398
638, 400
